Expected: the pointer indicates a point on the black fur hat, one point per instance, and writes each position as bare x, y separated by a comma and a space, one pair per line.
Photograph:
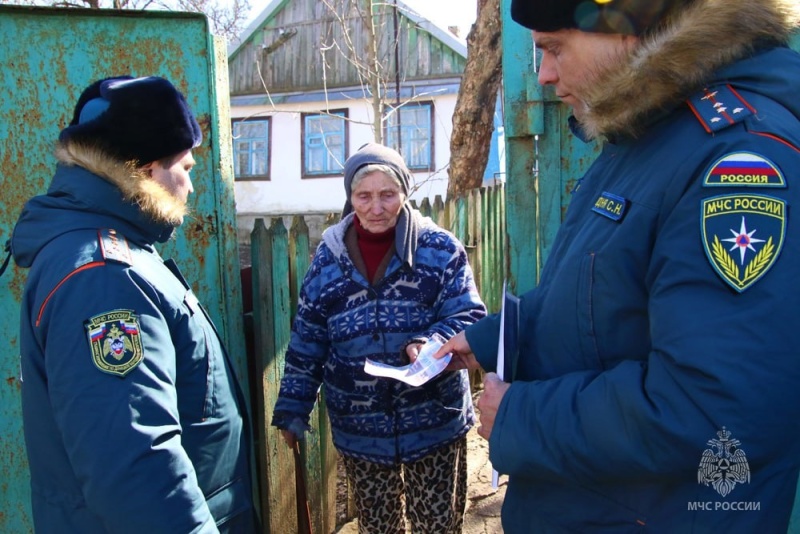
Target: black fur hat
133, 119
629, 17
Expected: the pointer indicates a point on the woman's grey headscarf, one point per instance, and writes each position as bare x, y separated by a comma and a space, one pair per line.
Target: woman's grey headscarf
407, 229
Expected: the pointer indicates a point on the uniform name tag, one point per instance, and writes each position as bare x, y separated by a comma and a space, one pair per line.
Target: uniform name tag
611, 206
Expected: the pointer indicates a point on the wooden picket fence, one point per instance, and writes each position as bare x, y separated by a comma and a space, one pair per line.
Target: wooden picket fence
280, 259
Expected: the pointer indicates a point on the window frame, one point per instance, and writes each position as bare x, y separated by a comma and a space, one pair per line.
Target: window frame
431, 166
343, 113
252, 177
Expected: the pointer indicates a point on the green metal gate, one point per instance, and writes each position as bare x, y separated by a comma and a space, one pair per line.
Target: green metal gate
47, 56
537, 189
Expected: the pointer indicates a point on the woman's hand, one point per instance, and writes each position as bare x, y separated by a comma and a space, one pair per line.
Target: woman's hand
412, 351
463, 358
289, 438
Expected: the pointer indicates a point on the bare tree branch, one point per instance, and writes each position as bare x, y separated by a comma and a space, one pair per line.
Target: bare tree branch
227, 18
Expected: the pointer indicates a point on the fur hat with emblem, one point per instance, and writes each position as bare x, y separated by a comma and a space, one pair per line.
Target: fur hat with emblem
628, 17
133, 119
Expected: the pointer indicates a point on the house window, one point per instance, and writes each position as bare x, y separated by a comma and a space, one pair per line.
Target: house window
409, 130
251, 149
324, 143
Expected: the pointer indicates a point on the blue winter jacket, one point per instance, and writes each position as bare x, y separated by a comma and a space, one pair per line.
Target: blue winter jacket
342, 320
658, 383
133, 419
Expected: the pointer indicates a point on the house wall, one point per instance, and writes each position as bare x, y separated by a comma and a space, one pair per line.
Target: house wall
304, 41
287, 193
297, 52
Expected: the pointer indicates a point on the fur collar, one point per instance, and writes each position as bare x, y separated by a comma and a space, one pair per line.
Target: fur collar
136, 186
670, 64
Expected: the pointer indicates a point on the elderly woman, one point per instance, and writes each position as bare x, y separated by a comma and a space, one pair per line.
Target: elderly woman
382, 282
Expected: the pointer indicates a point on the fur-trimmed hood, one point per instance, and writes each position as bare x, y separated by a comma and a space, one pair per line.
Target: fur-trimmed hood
670, 64
90, 190
137, 187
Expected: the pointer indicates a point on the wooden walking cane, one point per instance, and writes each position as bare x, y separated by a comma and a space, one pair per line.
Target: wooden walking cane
303, 509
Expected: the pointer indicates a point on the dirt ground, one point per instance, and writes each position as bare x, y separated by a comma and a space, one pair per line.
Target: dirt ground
483, 501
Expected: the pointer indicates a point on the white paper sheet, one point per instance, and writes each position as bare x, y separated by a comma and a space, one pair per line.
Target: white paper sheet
501, 362
417, 373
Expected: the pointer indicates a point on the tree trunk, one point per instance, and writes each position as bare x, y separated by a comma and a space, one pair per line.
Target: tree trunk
474, 113
374, 72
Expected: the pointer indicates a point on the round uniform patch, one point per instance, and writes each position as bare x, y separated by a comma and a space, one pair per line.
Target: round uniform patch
743, 236
115, 342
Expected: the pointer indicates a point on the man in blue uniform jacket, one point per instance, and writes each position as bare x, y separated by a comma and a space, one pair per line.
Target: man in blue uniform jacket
133, 419
658, 383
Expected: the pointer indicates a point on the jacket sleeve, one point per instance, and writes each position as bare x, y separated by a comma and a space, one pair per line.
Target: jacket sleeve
718, 358
458, 303
122, 434
483, 338
305, 357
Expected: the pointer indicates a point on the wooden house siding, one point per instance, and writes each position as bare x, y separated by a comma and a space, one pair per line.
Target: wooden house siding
288, 51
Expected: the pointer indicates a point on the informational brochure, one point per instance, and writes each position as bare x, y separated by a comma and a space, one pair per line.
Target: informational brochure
507, 346
417, 373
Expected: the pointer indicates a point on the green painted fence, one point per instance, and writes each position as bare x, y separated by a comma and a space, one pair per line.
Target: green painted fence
478, 220
280, 260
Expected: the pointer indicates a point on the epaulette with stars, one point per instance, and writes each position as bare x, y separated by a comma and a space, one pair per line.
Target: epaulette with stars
114, 246
719, 107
